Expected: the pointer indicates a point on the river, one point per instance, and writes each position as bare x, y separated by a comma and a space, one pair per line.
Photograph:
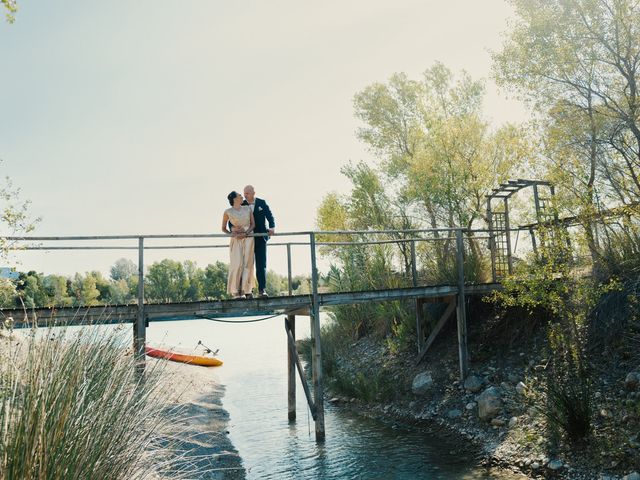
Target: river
254, 373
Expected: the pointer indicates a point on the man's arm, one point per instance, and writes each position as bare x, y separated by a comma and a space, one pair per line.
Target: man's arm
269, 216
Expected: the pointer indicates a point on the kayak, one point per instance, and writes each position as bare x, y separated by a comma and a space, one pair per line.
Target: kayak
181, 357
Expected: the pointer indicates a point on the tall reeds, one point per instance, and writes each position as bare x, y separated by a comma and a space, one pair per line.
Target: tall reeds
73, 407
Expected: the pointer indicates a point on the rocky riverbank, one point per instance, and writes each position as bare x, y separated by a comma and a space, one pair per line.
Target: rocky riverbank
203, 435
497, 407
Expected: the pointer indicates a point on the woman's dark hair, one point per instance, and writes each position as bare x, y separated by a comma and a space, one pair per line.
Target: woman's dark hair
232, 196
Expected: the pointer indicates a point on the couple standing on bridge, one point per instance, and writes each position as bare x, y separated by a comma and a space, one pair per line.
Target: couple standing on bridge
245, 217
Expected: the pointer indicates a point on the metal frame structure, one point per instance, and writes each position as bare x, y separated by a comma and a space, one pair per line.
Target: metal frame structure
499, 222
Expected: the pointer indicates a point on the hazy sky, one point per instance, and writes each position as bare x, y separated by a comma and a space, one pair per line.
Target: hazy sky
138, 117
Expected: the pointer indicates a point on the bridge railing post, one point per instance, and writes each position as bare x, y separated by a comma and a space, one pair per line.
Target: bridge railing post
289, 269
414, 267
461, 307
139, 327
316, 349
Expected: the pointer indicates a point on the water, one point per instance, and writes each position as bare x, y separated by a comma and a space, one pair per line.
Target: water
254, 374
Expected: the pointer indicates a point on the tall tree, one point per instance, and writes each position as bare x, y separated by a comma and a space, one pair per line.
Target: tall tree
577, 62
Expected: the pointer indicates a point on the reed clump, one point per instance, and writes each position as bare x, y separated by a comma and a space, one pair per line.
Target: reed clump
73, 406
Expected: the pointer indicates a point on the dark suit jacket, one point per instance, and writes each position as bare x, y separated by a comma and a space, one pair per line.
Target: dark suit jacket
262, 215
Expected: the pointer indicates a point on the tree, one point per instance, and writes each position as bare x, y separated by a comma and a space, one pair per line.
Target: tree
85, 291
215, 280
577, 62
166, 282
57, 293
11, 7
123, 269
14, 216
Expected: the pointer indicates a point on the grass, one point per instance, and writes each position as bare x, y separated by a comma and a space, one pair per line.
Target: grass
73, 406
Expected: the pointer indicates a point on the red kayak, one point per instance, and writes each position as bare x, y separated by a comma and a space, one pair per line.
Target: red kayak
183, 358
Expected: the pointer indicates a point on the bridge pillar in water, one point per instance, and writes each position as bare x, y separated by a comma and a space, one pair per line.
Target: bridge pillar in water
316, 348
291, 369
139, 325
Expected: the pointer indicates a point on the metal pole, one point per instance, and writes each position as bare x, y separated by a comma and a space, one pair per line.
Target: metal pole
492, 241
317, 350
414, 269
508, 235
290, 322
289, 268
139, 331
461, 308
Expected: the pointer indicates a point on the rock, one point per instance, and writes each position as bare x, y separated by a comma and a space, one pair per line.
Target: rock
604, 413
412, 405
473, 384
632, 476
513, 421
535, 466
498, 422
422, 383
521, 388
489, 403
471, 405
455, 413
632, 381
334, 400
555, 465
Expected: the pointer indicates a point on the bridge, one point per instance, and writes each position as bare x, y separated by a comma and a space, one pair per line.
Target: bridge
452, 242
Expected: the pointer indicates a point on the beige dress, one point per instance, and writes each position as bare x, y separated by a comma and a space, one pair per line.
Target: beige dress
241, 256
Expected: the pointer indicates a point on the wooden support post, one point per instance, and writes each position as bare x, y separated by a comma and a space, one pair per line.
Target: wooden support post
414, 267
298, 364
419, 322
289, 269
139, 327
436, 330
317, 347
290, 323
461, 308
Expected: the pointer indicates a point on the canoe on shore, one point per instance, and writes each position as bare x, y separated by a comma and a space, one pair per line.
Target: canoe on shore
181, 357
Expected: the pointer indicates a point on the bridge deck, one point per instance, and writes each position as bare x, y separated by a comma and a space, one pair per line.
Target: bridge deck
295, 305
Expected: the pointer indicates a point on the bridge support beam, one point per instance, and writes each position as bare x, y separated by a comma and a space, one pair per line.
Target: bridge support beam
461, 308
316, 349
290, 323
139, 326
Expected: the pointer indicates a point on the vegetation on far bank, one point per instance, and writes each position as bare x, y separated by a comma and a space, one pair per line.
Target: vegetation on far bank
576, 64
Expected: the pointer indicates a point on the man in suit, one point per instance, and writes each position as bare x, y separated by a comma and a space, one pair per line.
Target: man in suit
262, 215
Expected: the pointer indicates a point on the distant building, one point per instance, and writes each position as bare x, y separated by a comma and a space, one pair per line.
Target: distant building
8, 272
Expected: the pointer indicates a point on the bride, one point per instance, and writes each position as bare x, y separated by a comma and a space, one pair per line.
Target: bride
241, 256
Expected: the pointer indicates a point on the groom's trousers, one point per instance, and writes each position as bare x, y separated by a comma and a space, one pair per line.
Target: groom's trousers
260, 248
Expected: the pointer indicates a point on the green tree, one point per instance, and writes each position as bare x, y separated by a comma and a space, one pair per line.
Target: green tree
31, 290
84, 290
11, 7
576, 61
57, 293
215, 280
166, 281
123, 269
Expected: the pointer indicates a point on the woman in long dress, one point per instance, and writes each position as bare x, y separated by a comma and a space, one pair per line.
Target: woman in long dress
241, 256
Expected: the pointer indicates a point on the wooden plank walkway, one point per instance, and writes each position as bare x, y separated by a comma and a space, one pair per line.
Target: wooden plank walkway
286, 305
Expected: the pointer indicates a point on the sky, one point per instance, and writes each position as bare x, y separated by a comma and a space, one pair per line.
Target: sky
126, 118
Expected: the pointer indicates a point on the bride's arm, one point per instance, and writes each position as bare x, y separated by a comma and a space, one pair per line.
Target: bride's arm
225, 222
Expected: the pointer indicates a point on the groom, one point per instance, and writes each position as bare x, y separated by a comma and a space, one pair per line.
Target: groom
261, 214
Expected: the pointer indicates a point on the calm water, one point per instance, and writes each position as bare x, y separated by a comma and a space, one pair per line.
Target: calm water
254, 374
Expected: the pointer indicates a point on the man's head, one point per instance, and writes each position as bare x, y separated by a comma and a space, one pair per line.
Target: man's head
249, 193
